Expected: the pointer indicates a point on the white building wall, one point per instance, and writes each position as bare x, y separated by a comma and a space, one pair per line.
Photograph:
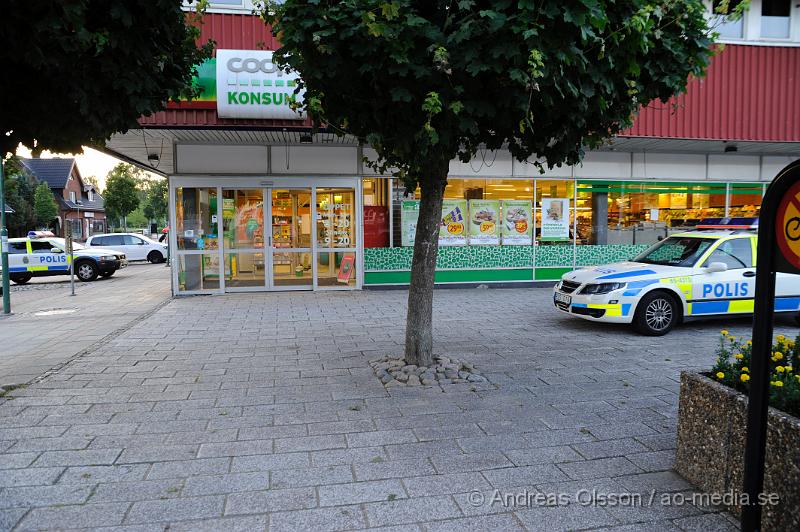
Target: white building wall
346, 160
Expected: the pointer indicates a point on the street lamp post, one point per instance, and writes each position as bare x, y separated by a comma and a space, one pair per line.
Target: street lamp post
4, 240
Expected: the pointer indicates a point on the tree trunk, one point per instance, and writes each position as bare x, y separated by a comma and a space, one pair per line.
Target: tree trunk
419, 323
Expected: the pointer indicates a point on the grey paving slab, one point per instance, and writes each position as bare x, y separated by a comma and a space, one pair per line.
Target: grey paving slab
33, 344
260, 410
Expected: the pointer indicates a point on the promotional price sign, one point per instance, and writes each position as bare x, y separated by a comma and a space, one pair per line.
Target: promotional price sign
409, 214
778, 252
555, 219
453, 229
484, 222
517, 223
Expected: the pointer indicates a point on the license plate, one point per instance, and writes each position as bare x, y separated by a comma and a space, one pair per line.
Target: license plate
562, 298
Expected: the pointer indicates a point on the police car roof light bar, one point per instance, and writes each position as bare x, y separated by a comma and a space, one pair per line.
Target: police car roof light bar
750, 224
40, 234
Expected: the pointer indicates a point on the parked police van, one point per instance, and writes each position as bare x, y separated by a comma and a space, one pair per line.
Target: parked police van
709, 272
42, 254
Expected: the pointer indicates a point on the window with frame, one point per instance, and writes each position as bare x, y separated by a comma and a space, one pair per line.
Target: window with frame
17, 248
41, 246
735, 254
720, 21
72, 196
775, 19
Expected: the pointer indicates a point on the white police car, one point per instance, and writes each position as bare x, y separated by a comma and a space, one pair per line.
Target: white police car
41, 254
708, 272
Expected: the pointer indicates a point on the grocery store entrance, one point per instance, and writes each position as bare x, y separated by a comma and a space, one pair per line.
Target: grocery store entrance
272, 238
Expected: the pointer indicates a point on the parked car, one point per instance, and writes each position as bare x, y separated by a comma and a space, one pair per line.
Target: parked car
41, 254
135, 247
705, 273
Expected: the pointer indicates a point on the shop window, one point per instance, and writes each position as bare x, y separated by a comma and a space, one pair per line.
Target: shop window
727, 28
335, 218
745, 200
196, 218
555, 212
619, 212
336, 269
376, 212
775, 19
198, 272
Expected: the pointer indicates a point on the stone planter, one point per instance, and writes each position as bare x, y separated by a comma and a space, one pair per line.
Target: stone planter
712, 422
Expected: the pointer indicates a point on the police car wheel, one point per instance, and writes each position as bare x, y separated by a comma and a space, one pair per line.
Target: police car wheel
21, 279
656, 314
86, 271
154, 256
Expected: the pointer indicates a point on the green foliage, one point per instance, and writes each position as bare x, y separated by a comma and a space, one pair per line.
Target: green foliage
44, 205
80, 70
19, 188
121, 194
156, 201
732, 368
425, 81
92, 180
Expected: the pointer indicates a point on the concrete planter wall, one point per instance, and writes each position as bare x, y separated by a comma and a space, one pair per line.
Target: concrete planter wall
712, 422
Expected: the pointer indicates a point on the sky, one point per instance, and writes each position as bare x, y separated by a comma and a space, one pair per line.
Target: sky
90, 162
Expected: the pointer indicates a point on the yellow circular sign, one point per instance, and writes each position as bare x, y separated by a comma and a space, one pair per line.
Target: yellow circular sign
455, 228
787, 226
487, 227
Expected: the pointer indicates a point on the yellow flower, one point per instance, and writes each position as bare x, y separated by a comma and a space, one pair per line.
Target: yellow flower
744, 377
779, 369
738, 356
724, 332
749, 342
788, 369
777, 355
780, 338
720, 375
745, 369
732, 338
778, 384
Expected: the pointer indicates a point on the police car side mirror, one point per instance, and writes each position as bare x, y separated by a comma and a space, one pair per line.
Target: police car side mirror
56, 250
715, 267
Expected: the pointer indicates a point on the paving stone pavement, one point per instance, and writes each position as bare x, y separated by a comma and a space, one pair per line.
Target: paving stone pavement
49, 326
256, 411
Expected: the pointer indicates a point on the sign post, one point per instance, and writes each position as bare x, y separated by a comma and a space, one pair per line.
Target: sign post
4, 241
68, 251
778, 251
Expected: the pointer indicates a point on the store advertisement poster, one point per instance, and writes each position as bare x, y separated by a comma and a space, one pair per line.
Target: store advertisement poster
453, 230
409, 213
517, 223
484, 222
555, 219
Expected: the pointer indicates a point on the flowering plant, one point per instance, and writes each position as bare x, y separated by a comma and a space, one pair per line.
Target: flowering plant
733, 369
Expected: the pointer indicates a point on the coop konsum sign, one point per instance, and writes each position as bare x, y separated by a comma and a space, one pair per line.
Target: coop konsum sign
250, 85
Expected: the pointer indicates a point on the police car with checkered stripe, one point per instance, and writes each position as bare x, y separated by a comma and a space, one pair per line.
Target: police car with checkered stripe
42, 254
702, 273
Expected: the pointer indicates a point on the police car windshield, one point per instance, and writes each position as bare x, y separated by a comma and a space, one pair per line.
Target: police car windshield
59, 243
676, 251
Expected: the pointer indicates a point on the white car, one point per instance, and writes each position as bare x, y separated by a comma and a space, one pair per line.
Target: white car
41, 254
686, 276
135, 247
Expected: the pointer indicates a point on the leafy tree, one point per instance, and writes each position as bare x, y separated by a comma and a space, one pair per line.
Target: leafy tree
19, 188
92, 180
156, 200
427, 81
85, 69
121, 195
44, 205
